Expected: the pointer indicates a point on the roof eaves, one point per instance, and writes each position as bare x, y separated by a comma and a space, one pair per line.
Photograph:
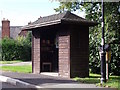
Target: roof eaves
31, 26
89, 23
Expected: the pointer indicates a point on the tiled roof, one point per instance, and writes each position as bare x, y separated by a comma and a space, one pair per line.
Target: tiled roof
58, 18
14, 31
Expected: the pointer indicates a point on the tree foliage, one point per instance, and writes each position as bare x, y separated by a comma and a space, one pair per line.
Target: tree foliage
112, 30
19, 49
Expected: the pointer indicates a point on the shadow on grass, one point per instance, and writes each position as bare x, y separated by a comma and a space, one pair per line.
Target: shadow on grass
115, 77
94, 76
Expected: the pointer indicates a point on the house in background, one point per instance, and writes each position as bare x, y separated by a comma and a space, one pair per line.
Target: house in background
11, 31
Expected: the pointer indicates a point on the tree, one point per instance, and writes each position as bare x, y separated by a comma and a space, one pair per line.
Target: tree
112, 30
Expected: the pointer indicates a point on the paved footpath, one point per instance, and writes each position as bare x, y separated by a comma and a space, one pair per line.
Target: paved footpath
44, 81
18, 64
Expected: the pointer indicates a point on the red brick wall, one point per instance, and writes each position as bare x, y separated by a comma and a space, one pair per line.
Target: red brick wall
5, 28
73, 53
64, 54
35, 51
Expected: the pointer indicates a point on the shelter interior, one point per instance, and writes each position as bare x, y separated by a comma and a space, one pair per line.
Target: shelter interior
49, 51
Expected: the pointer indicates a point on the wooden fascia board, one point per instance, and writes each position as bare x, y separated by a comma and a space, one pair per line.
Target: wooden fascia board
41, 24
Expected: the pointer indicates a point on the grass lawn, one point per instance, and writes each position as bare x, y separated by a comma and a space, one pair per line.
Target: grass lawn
10, 62
95, 79
21, 69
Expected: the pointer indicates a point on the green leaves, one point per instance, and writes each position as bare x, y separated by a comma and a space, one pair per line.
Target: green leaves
68, 6
16, 49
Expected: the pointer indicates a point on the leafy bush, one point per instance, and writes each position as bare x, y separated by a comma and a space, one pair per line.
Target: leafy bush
8, 48
16, 49
115, 62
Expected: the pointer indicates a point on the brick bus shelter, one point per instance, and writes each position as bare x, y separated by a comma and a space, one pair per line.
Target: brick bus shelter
60, 43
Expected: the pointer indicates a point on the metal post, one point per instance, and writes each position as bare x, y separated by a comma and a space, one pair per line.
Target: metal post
107, 72
103, 61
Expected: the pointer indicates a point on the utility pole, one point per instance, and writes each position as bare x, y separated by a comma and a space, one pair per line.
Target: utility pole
103, 61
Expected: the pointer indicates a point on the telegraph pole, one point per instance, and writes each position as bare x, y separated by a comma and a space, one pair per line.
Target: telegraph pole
103, 61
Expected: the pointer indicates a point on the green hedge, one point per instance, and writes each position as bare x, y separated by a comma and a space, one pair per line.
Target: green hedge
19, 49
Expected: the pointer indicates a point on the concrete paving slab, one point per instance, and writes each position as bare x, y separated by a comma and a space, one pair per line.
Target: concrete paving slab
17, 82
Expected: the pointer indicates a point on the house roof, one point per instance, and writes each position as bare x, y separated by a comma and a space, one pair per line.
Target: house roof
14, 31
59, 18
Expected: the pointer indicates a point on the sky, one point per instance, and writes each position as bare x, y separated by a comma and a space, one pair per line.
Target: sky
20, 12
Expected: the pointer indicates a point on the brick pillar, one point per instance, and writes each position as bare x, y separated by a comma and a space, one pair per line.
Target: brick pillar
35, 52
64, 55
5, 28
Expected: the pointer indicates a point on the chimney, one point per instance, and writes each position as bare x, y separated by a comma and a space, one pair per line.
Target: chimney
5, 28
29, 23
